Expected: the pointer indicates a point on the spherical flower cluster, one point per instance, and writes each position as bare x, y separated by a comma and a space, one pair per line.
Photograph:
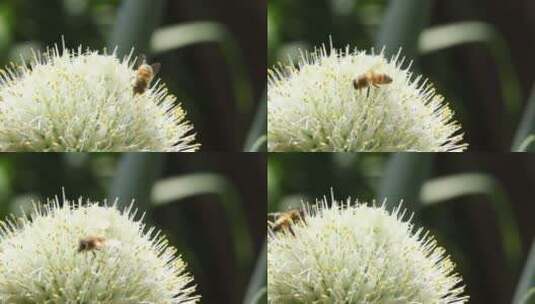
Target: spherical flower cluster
315, 106
353, 253
84, 101
42, 259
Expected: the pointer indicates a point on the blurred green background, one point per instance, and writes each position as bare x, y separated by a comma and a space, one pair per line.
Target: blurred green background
478, 206
210, 206
478, 53
212, 52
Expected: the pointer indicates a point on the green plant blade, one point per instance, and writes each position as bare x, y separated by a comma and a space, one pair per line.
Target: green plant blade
259, 145
526, 144
177, 36
401, 26
446, 188
446, 36
256, 289
180, 35
529, 297
173, 189
260, 296
524, 293
136, 173
404, 176
527, 124
256, 139
405, 172
136, 20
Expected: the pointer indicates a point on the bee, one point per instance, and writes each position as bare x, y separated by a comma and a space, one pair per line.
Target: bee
91, 243
285, 220
371, 78
144, 75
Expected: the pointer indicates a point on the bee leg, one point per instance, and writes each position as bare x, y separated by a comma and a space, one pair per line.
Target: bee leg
291, 230
367, 92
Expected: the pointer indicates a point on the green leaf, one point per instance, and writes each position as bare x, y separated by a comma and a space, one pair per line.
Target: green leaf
173, 189
447, 188
136, 173
526, 144
525, 288
402, 24
256, 139
136, 20
177, 36
445, 36
405, 172
529, 297
6, 29
527, 124
180, 35
256, 290
260, 296
404, 176
6, 187
259, 145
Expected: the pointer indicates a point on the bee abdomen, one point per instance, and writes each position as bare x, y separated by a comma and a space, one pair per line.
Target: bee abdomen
140, 87
384, 79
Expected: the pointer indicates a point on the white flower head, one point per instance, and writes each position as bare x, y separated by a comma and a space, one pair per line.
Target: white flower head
43, 260
354, 253
75, 100
315, 106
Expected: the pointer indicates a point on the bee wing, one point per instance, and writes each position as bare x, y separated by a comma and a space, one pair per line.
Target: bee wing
365, 73
375, 66
274, 213
155, 68
113, 243
289, 211
141, 60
